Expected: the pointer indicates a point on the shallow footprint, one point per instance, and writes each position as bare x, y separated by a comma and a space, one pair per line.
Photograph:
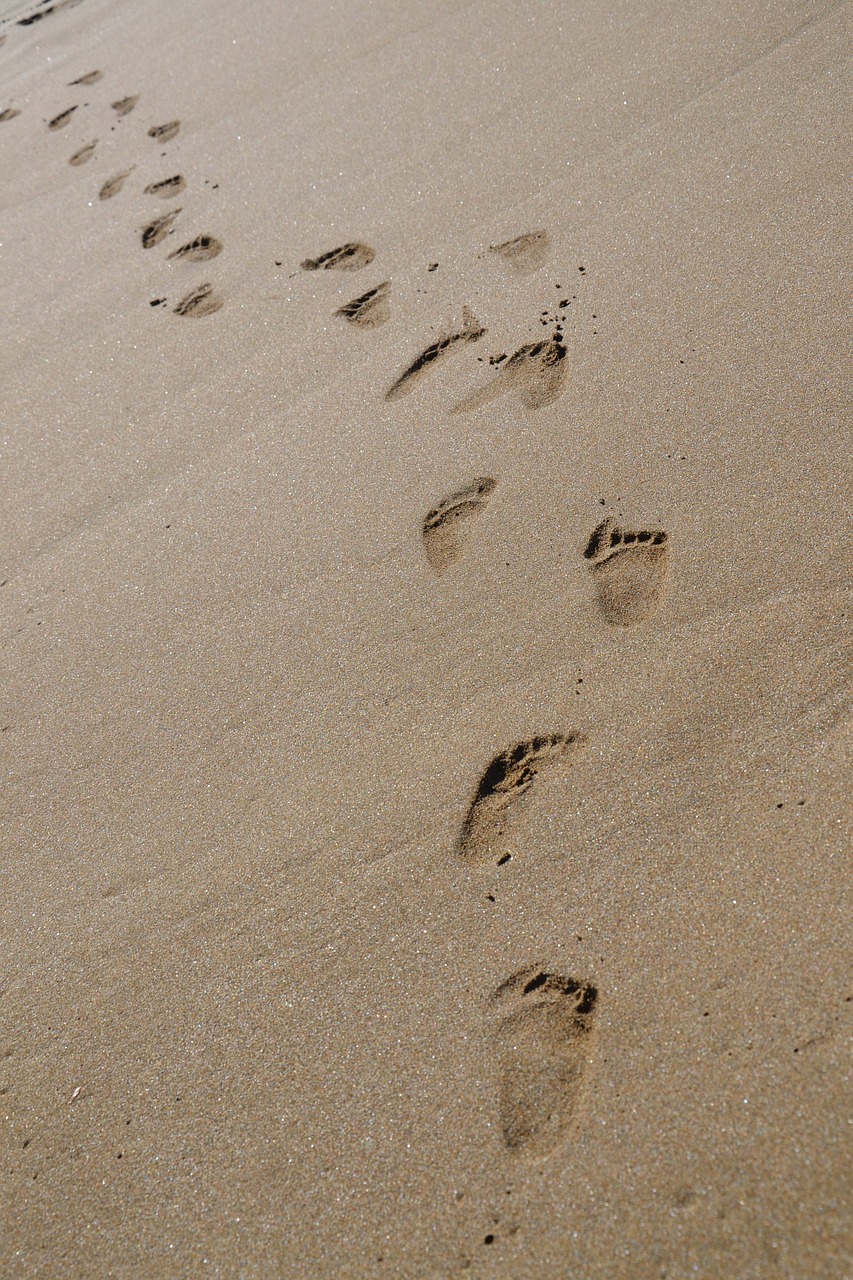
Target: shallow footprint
60, 121
347, 257
201, 302
124, 105
510, 775
91, 77
9, 114
84, 154
158, 229
114, 185
541, 1045
166, 187
164, 132
537, 372
629, 569
525, 253
471, 331
370, 310
443, 528
199, 250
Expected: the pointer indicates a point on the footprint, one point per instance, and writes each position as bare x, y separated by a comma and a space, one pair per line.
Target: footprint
164, 132
9, 114
506, 781
541, 1044
114, 185
199, 250
444, 525
60, 121
158, 229
370, 310
91, 77
538, 373
201, 302
629, 569
471, 331
166, 187
349, 257
84, 154
125, 105
525, 253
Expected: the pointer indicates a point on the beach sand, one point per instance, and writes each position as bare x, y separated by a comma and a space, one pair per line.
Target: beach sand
425, 695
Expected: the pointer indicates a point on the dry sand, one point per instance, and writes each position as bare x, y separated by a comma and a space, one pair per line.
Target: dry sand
425, 822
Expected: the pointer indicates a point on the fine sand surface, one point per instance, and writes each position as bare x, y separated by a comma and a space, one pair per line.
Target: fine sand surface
425, 717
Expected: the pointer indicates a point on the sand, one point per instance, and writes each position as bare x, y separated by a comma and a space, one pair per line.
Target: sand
425, 683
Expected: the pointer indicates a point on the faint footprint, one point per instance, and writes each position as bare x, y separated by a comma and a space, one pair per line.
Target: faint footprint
158, 229
507, 779
164, 132
629, 569
370, 310
541, 1044
348, 257
201, 302
60, 121
125, 105
166, 187
9, 114
471, 331
84, 154
199, 250
525, 253
538, 373
114, 185
91, 77
443, 526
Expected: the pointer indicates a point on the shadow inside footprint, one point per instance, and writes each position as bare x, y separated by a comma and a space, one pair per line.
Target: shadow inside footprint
199, 250
525, 253
347, 257
370, 310
541, 1045
114, 185
471, 331
156, 230
629, 569
443, 528
508, 778
201, 302
9, 114
91, 77
60, 121
164, 132
84, 154
166, 187
538, 373
125, 105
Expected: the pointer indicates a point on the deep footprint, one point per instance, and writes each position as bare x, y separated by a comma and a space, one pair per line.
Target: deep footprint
444, 526
199, 250
158, 229
541, 1045
525, 253
370, 310
164, 132
166, 187
347, 257
538, 373
201, 302
486, 831
629, 569
471, 331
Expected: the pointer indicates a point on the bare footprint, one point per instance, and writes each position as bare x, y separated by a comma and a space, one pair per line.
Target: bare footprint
525, 253
166, 187
370, 310
486, 830
201, 302
541, 1043
538, 373
91, 77
443, 528
9, 114
471, 331
60, 121
348, 257
125, 105
158, 229
114, 185
84, 154
199, 250
164, 132
629, 570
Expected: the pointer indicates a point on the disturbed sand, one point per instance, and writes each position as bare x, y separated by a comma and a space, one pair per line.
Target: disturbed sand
425, 615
